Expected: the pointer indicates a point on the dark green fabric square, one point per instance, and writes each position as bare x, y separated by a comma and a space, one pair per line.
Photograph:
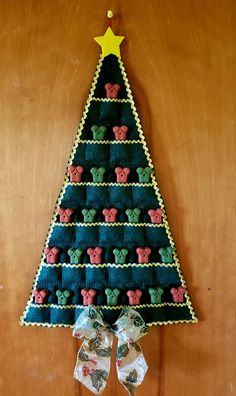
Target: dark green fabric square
134, 236
145, 197
96, 154
167, 276
138, 156
121, 154
92, 114
110, 114
120, 276
144, 277
120, 197
156, 237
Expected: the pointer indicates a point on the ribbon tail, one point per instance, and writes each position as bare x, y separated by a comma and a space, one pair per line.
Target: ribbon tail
130, 362
91, 372
132, 368
93, 360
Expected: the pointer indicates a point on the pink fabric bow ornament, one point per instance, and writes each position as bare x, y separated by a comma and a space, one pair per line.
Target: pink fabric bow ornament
112, 90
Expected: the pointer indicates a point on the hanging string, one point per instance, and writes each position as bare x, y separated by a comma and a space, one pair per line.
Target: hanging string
109, 16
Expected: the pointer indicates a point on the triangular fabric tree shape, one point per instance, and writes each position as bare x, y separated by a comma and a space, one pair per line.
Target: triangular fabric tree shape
109, 245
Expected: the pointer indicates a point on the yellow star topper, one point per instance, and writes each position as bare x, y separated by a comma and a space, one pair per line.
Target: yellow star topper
110, 43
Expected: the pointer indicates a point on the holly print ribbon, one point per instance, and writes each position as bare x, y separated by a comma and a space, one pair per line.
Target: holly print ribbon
93, 359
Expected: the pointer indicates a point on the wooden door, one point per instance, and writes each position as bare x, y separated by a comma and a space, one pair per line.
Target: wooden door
181, 62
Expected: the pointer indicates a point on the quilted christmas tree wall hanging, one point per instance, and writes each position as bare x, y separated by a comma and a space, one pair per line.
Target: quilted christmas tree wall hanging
109, 266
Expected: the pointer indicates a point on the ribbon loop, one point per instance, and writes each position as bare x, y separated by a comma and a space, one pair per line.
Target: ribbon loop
130, 325
93, 359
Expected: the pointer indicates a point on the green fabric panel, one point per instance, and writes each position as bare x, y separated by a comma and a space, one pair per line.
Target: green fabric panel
69, 316
108, 236
99, 197
99, 278
78, 197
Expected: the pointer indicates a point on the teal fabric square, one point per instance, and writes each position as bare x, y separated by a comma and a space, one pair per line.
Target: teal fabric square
109, 235
62, 236
77, 313
73, 197
63, 316
73, 276
79, 158
96, 277
86, 236
97, 196
38, 315
49, 275
127, 118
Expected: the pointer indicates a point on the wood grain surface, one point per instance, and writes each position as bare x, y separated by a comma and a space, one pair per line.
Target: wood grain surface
180, 56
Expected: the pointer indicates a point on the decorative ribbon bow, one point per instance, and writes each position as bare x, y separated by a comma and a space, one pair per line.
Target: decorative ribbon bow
93, 359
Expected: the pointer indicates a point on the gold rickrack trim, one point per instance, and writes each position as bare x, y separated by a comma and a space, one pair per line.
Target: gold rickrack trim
108, 224
109, 184
91, 141
111, 100
62, 192
110, 307
167, 322
154, 184
104, 265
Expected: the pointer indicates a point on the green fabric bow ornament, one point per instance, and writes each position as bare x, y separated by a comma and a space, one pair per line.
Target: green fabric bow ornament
89, 215
98, 174
98, 132
155, 294
93, 359
112, 295
120, 255
144, 174
63, 296
75, 255
133, 215
166, 254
